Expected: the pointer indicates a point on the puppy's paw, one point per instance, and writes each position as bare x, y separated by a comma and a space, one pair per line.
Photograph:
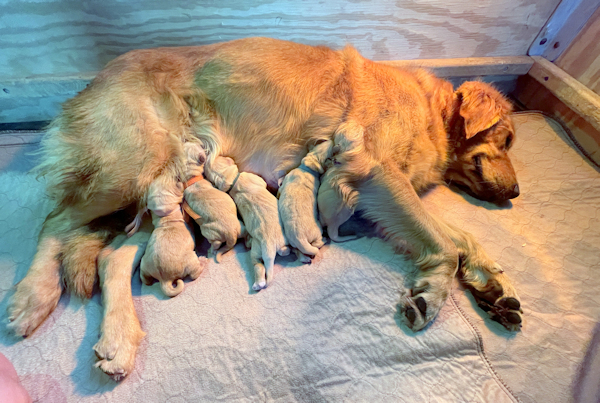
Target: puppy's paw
423, 303
32, 302
260, 277
502, 305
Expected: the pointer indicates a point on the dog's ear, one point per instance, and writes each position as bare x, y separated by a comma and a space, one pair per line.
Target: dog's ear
481, 107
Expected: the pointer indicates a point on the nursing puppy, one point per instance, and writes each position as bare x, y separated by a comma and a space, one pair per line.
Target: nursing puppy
213, 210
258, 208
170, 254
216, 214
336, 200
298, 202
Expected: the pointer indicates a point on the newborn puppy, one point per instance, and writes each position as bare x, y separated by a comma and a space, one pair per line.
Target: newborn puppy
258, 208
336, 201
298, 203
170, 254
213, 210
216, 214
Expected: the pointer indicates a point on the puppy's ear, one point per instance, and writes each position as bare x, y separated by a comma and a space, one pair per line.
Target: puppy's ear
481, 107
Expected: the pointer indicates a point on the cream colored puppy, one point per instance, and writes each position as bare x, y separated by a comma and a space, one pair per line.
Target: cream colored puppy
213, 210
170, 254
336, 200
258, 208
216, 214
298, 202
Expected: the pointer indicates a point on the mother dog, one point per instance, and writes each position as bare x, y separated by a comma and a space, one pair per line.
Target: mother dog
263, 102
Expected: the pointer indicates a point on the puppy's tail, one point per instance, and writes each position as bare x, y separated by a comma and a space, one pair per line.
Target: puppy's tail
306, 247
172, 291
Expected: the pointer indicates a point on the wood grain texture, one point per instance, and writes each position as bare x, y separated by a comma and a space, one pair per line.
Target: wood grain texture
582, 58
471, 66
69, 37
571, 92
536, 96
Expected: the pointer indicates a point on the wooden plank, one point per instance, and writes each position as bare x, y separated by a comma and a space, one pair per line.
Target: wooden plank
571, 92
582, 58
536, 96
471, 66
69, 37
562, 27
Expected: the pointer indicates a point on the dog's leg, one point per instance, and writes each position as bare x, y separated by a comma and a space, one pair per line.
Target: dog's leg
490, 286
121, 331
37, 295
260, 277
388, 198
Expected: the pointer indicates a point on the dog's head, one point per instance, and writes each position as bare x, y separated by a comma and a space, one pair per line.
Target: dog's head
483, 133
222, 172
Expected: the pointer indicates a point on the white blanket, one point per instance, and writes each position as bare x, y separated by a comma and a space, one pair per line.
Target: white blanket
330, 331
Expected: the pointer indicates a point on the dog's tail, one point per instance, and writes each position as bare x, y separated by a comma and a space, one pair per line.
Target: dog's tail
83, 246
172, 291
79, 259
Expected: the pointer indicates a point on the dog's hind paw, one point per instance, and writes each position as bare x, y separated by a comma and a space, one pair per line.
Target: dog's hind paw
501, 306
31, 304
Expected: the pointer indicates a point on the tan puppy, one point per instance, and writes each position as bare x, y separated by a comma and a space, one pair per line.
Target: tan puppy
258, 208
298, 202
170, 254
337, 200
213, 210
216, 214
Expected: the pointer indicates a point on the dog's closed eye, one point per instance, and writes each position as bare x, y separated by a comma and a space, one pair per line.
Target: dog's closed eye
477, 164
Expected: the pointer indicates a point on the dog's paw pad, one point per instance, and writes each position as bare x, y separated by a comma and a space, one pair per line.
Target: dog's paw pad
504, 310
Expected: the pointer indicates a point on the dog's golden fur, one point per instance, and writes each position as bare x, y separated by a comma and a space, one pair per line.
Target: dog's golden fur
264, 102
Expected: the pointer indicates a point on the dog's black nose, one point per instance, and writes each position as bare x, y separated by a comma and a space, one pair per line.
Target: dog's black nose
515, 192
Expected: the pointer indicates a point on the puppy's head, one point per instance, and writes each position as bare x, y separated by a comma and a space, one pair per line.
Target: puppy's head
164, 195
195, 158
315, 159
222, 172
482, 135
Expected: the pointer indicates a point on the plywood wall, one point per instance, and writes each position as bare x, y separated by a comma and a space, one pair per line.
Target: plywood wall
582, 58
60, 37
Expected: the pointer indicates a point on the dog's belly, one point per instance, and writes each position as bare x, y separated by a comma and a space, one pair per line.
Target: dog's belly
265, 159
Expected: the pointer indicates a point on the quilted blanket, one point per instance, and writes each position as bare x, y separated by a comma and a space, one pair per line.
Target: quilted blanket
331, 331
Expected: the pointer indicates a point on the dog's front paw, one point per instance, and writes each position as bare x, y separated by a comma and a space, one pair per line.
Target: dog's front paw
117, 348
32, 302
423, 303
494, 294
502, 305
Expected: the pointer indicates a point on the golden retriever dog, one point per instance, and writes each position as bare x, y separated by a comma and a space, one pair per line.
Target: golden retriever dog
264, 103
170, 255
258, 208
336, 200
298, 202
